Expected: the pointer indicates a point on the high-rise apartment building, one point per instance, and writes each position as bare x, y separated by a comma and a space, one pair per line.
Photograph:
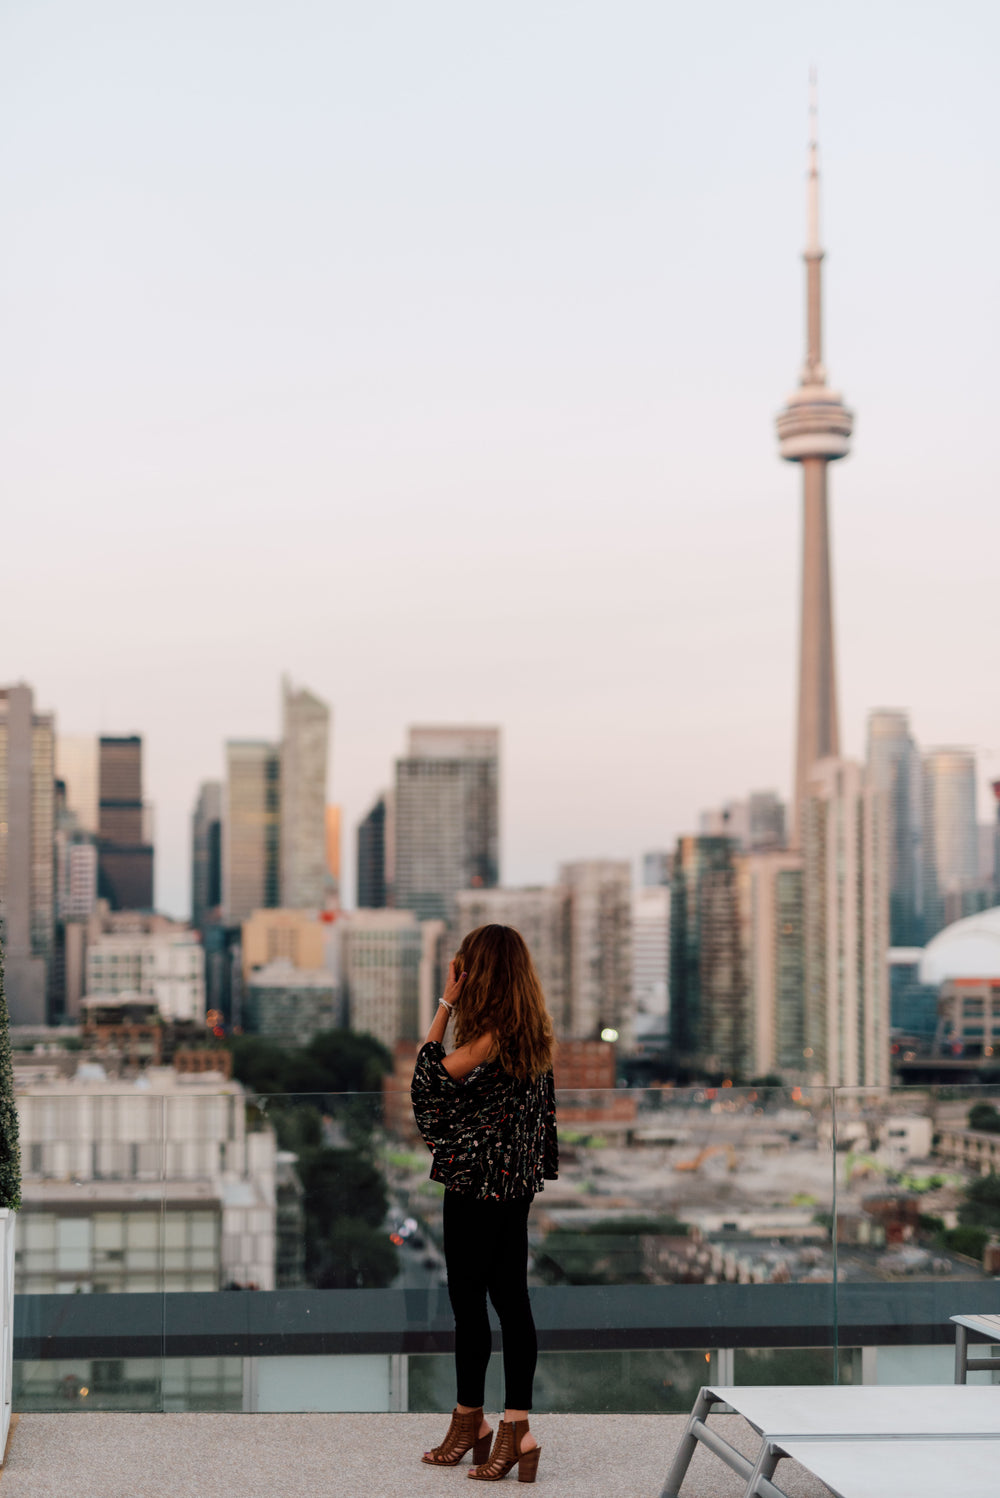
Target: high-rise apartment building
846, 861
951, 838
381, 956
709, 1025
251, 816
600, 948
27, 859
125, 858
651, 959
446, 818
372, 891
771, 899
304, 754
206, 854
814, 429
543, 916
894, 768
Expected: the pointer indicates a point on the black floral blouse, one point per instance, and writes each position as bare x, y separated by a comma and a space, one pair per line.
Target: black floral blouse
491, 1136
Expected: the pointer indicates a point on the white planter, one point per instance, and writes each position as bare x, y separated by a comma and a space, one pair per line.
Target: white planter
7, 1220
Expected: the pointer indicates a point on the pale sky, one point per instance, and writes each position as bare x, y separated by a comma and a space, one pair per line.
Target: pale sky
430, 353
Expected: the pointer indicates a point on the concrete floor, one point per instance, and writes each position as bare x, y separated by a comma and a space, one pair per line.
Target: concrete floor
349, 1456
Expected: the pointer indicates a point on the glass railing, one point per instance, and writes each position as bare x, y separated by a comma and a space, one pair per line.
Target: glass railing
182, 1246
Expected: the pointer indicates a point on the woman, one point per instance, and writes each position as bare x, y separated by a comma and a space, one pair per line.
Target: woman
487, 1112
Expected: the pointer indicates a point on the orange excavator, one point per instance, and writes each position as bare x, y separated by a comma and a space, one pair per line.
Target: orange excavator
702, 1156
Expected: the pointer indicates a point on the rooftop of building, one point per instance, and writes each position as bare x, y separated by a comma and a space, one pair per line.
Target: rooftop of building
354, 1455
282, 973
92, 1078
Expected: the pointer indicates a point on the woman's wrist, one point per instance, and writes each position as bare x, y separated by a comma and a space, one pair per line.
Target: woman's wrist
450, 1007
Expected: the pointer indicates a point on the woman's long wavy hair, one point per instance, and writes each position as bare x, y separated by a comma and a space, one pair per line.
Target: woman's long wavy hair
502, 995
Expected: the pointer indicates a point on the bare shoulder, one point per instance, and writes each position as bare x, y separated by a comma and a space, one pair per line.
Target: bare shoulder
467, 1057
482, 1047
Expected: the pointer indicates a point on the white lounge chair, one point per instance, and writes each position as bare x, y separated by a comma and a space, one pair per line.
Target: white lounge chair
987, 1326
862, 1441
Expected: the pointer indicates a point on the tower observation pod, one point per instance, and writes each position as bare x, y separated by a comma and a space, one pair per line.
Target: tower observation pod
814, 429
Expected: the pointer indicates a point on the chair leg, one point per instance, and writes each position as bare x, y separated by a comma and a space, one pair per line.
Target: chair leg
961, 1353
686, 1449
767, 1460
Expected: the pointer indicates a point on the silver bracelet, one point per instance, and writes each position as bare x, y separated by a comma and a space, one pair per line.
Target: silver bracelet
450, 1007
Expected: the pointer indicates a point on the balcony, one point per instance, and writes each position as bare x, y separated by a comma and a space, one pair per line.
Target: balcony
757, 1235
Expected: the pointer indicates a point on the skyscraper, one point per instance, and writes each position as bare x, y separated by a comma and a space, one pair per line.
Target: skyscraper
894, 768
371, 892
446, 818
206, 853
814, 429
601, 948
543, 915
304, 753
845, 851
708, 989
27, 860
382, 954
250, 827
951, 838
771, 919
77, 767
125, 856
651, 959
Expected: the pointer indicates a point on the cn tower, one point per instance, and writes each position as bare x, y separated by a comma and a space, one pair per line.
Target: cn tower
814, 429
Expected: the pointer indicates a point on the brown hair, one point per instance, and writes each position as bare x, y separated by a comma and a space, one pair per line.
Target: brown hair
502, 995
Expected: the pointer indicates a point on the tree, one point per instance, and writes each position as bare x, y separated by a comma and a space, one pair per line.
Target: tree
981, 1208
355, 1256
10, 1147
341, 1183
350, 1062
335, 1061
984, 1118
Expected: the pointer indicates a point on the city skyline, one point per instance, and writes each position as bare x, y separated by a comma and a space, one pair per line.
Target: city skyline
637, 644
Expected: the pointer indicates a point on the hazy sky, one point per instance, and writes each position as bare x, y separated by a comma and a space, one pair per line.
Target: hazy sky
430, 352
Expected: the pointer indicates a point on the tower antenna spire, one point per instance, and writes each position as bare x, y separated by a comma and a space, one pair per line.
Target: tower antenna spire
812, 211
813, 372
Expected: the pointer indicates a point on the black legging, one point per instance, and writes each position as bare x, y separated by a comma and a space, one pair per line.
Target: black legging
486, 1251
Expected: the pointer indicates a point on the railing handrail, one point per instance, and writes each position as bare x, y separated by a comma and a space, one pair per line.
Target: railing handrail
569, 1318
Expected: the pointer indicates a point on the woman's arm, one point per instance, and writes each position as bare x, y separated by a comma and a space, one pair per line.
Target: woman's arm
461, 1062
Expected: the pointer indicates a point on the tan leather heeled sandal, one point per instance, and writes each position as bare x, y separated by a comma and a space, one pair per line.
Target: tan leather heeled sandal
461, 1437
507, 1453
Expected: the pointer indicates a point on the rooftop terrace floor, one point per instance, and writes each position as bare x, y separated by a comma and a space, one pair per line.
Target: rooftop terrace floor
349, 1456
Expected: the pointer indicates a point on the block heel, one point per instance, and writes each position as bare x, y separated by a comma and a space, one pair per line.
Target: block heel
527, 1464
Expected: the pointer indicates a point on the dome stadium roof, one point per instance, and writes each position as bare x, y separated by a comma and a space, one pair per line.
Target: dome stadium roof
967, 949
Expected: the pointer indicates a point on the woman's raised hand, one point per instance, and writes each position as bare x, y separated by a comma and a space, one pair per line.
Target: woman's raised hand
454, 986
